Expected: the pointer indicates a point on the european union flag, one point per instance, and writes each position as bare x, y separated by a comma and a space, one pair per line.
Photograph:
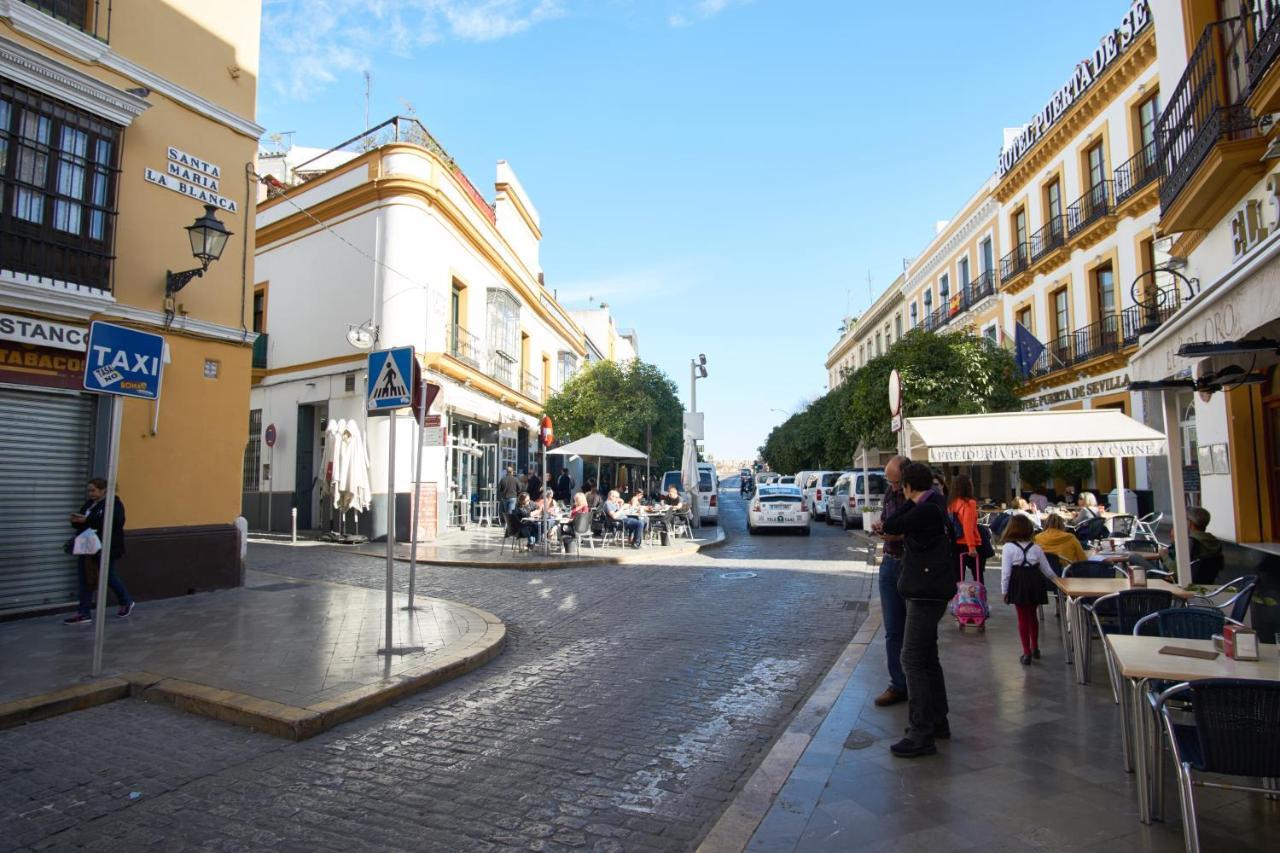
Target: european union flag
1027, 348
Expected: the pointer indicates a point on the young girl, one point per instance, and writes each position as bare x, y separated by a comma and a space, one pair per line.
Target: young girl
965, 508
1023, 570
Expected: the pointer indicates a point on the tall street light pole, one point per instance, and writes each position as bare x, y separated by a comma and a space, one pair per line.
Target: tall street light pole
697, 370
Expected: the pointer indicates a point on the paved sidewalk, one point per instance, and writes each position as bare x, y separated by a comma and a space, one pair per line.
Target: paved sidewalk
288, 656
481, 547
1034, 764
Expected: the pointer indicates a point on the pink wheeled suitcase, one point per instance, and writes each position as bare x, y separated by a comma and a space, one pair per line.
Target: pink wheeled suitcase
970, 604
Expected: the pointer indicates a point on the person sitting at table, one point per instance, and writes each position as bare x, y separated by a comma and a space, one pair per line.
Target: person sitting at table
1206, 549
1039, 501
637, 508
1069, 496
524, 514
672, 499
1023, 569
1059, 541
617, 511
578, 506
1088, 504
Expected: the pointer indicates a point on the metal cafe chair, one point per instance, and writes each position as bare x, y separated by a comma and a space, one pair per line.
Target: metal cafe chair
510, 531
1234, 732
1118, 613
1240, 596
1146, 526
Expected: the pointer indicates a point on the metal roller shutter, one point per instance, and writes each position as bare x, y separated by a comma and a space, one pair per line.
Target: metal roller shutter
45, 443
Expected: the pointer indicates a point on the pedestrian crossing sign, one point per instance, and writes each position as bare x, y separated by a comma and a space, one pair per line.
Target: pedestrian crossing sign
390, 374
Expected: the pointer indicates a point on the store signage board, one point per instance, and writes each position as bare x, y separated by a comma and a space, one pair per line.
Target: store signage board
123, 361
390, 374
1109, 48
30, 330
434, 437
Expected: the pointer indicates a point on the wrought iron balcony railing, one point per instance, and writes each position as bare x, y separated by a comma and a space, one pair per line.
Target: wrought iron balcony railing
532, 387
1052, 236
93, 17
980, 288
957, 303
1090, 207
1110, 334
462, 345
1199, 113
1136, 172
36, 253
1265, 26
260, 352
502, 368
1015, 262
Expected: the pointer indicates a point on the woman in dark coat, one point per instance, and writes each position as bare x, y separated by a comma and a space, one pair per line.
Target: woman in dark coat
92, 516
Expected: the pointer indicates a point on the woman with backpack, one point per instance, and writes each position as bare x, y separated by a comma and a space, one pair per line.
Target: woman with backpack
1023, 573
963, 511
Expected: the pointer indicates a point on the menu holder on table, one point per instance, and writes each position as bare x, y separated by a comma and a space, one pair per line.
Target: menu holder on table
1188, 653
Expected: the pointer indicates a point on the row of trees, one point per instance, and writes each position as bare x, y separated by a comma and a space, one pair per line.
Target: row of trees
952, 374
625, 402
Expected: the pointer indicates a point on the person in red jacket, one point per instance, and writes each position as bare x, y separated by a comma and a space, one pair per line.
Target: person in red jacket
965, 507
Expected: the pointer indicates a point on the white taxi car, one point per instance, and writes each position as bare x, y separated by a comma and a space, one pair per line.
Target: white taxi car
776, 506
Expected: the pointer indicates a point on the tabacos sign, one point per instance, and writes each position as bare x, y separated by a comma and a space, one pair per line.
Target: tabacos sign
1112, 45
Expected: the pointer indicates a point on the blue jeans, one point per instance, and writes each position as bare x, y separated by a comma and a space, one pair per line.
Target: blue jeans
635, 529
87, 592
893, 612
509, 505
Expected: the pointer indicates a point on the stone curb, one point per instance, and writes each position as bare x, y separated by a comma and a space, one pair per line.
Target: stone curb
733, 831
274, 718
643, 556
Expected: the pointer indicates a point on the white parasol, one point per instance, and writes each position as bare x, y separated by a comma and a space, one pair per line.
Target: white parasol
353, 490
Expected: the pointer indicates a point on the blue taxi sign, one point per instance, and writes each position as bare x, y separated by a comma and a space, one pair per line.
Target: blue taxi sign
390, 379
123, 361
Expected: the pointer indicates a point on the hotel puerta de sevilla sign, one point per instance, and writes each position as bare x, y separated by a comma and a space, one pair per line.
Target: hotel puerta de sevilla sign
1112, 45
194, 177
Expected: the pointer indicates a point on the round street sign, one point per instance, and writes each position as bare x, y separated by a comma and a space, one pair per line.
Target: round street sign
895, 392
545, 433
270, 435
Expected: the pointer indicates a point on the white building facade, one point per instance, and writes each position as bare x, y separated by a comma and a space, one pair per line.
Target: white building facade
397, 243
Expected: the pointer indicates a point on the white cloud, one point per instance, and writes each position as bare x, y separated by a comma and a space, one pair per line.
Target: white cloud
701, 11
307, 44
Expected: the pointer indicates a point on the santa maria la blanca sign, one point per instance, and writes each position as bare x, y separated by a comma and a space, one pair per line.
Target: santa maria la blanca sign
194, 177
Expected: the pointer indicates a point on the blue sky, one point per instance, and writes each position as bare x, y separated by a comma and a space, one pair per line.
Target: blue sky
723, 173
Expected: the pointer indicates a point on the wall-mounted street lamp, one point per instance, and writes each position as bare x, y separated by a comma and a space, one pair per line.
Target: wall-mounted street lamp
208, 238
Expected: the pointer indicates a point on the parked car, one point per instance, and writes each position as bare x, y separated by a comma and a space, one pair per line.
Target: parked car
818, 490
777, 507
802, 479
786, 480
846, 502
708, 493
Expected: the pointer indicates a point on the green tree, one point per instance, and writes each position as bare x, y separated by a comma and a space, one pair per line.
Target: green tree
621, 401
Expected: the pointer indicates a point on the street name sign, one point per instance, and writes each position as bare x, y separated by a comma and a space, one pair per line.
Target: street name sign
123, 361
390, 374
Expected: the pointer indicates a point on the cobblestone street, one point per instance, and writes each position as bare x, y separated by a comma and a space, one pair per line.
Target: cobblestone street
629, 704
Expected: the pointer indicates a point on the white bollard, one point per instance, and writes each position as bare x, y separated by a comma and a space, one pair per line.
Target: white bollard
294, 513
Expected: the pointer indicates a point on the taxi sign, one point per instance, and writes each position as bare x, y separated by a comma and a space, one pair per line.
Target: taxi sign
123, 361
390, 379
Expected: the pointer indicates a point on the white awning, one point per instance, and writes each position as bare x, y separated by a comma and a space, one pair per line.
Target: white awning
1016, 436
598, 445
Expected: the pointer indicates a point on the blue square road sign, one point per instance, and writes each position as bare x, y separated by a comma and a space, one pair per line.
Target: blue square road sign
390, 379
123, 361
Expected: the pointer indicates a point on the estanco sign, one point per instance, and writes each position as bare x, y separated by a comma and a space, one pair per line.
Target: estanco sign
1114, 43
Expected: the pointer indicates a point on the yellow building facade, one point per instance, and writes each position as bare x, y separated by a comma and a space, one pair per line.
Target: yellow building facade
119, 123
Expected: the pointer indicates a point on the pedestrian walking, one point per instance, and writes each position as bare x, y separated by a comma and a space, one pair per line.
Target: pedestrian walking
893, 607
509, 490
927, 582
92, 516
964, 513
1023, 573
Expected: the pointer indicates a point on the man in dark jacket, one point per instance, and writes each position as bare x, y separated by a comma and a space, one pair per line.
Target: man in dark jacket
922, 524
92, 516
509, 490
564, 487
535, 485
893, 608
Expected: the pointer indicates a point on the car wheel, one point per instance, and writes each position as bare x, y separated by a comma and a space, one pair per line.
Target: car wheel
844, 519
751, 528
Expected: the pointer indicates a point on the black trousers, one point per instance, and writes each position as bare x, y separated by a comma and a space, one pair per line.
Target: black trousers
926, 688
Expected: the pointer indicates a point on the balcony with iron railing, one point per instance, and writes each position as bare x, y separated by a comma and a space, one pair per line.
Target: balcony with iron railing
1207, 136
1087, 214
954, 305
531, 387
462, 345
1264, 85
1045, 242
1138, 172
502, 368
92, 17
1108, 336
1015, 264
38, 253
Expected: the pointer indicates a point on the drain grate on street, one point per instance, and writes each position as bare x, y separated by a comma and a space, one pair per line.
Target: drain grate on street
737, 576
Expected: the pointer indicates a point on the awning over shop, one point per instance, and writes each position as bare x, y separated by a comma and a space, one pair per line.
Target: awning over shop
1021, 436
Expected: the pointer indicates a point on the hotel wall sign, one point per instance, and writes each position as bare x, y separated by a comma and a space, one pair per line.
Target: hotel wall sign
1083, 391
1112, 45
194, 177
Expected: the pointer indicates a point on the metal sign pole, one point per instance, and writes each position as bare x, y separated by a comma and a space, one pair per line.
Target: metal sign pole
271, 469
391, 522
417, 494
108, 522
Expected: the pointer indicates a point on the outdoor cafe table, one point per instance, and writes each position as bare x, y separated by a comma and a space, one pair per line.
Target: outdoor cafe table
1078, 590
1139, 661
